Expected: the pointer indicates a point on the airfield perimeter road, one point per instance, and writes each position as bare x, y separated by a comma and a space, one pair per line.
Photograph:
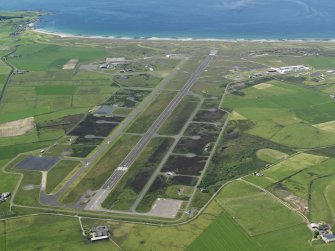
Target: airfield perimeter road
101, 195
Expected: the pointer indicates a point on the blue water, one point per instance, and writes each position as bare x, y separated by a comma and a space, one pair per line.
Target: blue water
221, 19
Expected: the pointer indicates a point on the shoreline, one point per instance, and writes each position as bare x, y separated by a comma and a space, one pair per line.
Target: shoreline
70, 35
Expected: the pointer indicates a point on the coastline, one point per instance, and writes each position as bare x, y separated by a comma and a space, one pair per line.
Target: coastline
69, 35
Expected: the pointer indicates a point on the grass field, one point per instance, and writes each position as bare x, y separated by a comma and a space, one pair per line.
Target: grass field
224, 234
48, 233
40, 57
257, 218
58, 173
270, 155
286, 168
285, 113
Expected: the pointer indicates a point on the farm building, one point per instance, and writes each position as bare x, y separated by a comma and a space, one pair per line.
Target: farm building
115, 61
99, 233
330, 237
4, 196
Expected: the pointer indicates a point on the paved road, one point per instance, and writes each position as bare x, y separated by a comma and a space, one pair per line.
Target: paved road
100, 196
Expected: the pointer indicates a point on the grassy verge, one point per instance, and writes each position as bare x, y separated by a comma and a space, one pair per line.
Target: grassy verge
59, 172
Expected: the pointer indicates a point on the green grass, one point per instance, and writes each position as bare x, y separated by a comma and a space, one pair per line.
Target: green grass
100, 172
322, 62
270, 155
257, 218
29, 197
2, 235
41, 57
179, 117
59, 172
55, 90
223, 234
293, 238
320, 205
292, 165
151, 113
299, 184
285, 113
286, 169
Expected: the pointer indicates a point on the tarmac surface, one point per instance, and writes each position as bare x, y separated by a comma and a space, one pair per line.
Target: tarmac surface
36, 163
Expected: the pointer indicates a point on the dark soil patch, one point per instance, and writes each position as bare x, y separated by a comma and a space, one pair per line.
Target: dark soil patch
66, 123
127, 98
207, 131
202, 146
184, 165
90, 126
210, 116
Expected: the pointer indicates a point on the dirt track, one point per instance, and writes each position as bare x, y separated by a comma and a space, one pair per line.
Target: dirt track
17, 127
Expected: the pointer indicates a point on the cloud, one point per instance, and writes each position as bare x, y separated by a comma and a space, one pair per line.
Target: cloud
235, 4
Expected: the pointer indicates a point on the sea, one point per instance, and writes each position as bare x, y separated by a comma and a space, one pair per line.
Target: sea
186, 19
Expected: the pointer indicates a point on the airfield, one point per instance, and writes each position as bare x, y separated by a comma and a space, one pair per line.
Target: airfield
183, 145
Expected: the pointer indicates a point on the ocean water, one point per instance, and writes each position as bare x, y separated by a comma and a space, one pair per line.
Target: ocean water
197, 19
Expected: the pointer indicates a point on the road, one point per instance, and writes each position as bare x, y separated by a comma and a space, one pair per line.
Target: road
101, 195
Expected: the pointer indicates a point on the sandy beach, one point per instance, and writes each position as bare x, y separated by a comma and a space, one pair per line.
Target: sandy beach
69, 35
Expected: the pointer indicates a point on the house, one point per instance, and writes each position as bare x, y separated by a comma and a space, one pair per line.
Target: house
99, 233
4, 196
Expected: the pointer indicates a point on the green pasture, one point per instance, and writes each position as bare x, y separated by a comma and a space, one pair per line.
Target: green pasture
270, 155
321, 207
300, 183
224, 234
286, 168
284, 113
42, 57
321, 62
48, 233
257, 218
55, 90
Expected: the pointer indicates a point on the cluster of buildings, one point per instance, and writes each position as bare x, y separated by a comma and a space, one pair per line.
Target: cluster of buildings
4, 196
288, 69
324, 231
